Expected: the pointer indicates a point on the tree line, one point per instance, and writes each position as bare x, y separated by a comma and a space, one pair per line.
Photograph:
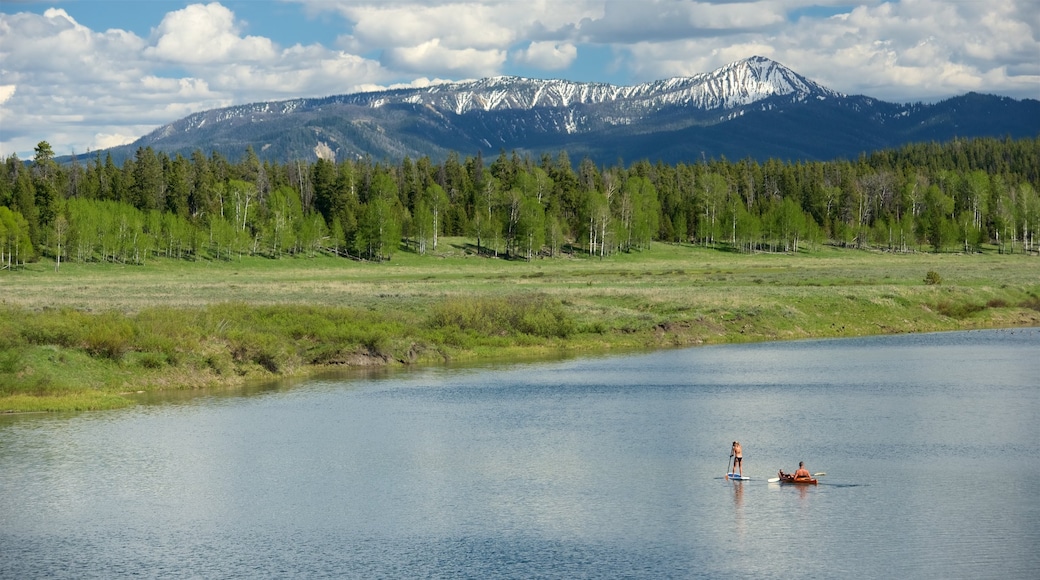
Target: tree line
955, 196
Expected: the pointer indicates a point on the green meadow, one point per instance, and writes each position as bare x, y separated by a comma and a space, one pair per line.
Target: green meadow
85, 336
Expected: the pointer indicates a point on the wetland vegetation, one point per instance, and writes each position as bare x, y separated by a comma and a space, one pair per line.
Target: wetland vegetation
84, 336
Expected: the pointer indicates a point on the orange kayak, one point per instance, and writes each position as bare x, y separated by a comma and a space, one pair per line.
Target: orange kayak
788, 478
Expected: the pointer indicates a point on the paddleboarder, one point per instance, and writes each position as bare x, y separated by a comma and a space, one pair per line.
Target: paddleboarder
738, 458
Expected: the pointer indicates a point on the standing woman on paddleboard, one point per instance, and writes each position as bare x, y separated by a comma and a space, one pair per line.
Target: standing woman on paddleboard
738, 458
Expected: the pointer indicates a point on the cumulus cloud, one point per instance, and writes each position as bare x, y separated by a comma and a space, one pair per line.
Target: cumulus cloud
461, 38
432, 56
900, 51
484, 24
107, 140
664, 21
82, 89
917, 49
66, 76
200, 34
458, 26
547, 55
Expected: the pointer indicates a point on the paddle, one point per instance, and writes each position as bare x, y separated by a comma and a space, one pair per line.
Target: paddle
728, 461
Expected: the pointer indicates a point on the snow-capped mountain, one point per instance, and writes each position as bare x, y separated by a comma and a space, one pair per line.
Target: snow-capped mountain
753, 107
737, 84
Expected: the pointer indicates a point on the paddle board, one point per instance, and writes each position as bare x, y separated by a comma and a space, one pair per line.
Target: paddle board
737, 476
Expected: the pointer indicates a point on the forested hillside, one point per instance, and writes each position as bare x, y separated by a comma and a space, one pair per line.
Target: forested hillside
956, 196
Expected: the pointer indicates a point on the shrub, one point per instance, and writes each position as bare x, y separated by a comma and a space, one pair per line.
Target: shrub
220, 363
959, 310
109, 337
261, 348
1032, 302
530, 315
932, 278
11, 361
152, 360
57, 327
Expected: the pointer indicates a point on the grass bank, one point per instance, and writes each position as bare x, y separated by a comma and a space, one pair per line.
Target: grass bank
84, 336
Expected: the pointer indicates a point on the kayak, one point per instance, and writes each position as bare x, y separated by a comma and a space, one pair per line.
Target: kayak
788, 478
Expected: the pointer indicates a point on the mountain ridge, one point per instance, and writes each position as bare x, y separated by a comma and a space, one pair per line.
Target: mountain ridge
600, 120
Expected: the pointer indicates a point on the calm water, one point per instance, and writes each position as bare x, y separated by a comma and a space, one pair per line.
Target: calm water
605, 467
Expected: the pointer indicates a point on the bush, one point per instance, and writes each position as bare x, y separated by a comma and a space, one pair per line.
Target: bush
1032, 302
152, 360
109, 337
534, 316
263, 349
220, 363
63, 327
11, 361
932, 278
958, 310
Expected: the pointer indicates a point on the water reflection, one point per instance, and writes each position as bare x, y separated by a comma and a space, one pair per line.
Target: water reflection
738, 508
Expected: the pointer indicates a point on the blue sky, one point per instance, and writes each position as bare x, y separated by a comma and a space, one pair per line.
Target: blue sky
90, 74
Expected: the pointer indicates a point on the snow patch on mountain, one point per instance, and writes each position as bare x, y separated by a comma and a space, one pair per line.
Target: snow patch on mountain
728, 88
738, 84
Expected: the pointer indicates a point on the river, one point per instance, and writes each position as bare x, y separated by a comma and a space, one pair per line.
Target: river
602, 467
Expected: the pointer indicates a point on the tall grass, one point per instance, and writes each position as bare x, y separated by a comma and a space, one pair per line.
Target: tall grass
533, 315
220, 343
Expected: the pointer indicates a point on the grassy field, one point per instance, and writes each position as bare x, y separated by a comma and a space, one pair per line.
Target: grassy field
82, 337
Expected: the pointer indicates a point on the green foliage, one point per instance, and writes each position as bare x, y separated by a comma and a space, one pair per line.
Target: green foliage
957, 309
109, 336
1033, 302
66, 328
263, 349
956, 196
532, 315
932, 278
15, 242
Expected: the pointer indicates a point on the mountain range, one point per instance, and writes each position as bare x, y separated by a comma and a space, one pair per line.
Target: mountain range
754, 108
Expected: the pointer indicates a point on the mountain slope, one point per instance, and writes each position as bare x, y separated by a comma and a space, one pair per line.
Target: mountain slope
754, 107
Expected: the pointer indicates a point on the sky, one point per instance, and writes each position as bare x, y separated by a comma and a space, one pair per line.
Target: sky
85, 75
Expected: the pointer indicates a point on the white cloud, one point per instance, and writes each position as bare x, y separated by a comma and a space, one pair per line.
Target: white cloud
663, 20
431, 56
107, 140
916, 49
80, 89
486, 24
547, 55
202, 34
457, 26
900, 51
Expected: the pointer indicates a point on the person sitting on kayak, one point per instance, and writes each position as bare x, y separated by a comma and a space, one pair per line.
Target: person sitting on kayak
802, 473
738, 459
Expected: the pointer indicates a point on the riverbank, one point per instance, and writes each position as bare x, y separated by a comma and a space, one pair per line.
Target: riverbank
85, 336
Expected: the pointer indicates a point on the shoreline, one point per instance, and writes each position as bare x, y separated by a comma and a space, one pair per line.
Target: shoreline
163, 387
